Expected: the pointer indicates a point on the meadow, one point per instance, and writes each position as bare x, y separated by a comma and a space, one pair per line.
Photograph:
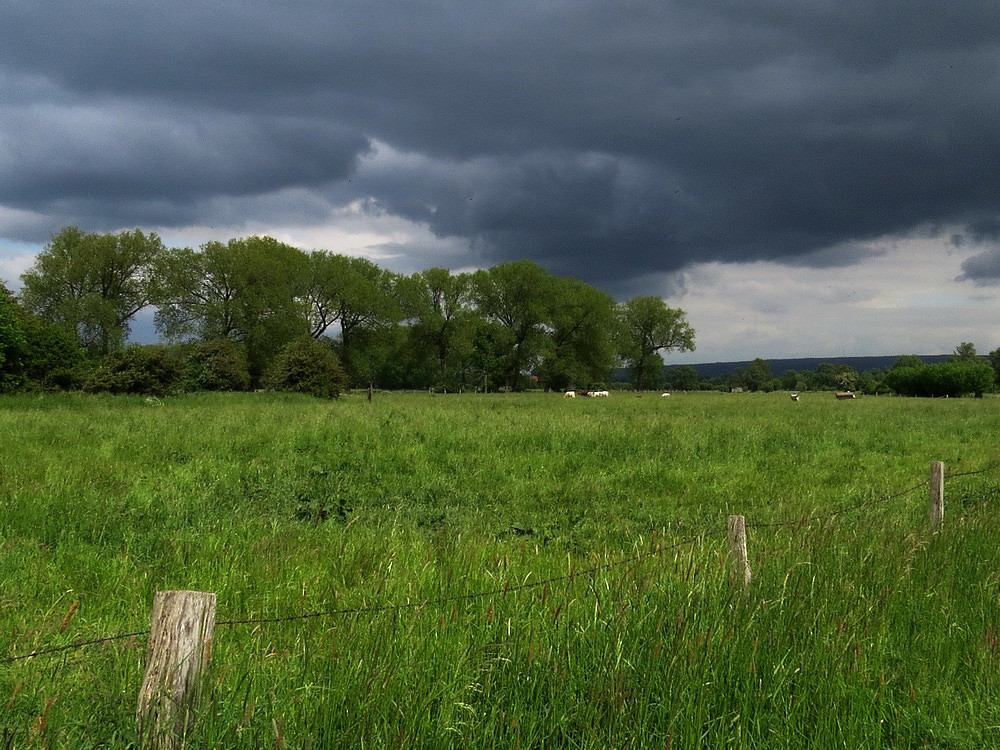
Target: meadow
440, 517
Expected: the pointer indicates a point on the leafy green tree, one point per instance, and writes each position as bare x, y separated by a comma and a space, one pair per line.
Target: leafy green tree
647, 327
245, 290
738, 378
873, 382
836, 376
908, 360
793, 380
52, 356
581, 321
358, 297
485, 367
758, 374
34, 352
683, 378
12, 342
994, 360
515, 297
94, 284
439, 336
965, 352
306, 365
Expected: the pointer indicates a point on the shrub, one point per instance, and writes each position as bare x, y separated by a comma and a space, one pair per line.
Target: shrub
219, 365
143, 370
945, 379
306, 365
52, 356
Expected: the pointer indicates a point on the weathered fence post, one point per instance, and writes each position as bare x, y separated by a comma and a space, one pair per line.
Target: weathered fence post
935, 507
739, 567
369, 392
180, 648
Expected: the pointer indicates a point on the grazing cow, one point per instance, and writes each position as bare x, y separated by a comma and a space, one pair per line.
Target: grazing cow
569, 394
599, 394
664, 395
795, 396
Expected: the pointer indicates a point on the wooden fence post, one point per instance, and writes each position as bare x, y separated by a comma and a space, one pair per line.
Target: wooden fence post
739, 567
935, 507
180, 648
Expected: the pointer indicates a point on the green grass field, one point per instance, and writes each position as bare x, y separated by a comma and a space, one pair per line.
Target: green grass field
860, 629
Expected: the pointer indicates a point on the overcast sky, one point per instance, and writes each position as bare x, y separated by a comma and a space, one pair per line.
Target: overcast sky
802, 177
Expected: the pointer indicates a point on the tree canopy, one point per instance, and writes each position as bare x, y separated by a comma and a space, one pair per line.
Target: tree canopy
511, 325
94, 284
647, 326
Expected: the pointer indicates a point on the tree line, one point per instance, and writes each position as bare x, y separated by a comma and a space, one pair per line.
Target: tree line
255, 312
965, 372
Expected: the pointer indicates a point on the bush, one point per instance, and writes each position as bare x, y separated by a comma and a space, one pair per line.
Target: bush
52, 356
306, 365
12, 342
945, 379
143, 370
219, 365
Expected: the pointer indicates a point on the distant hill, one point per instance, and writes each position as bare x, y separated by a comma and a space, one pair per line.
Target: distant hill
802, 364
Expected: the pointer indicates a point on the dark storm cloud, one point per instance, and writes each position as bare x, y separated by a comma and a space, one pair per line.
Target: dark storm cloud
610, 140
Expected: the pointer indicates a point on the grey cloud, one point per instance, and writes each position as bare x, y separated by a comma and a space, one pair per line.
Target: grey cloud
130, 151
982, 269
628, 139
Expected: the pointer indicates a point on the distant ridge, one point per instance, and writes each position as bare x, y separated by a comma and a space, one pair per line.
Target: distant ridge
803, 364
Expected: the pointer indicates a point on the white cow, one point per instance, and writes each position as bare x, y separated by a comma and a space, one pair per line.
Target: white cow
664, 395
599, 394
569, 394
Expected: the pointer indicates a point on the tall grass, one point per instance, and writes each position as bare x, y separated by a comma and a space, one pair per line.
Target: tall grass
859, 630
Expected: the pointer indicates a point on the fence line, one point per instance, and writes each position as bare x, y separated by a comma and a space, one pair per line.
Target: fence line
988, 468
839, 512
507, 589
71, 646
468, 597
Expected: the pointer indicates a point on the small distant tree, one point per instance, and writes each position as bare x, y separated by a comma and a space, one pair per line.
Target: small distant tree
793, 380
964, 352
307, 365
836, 376
683, 378
908, 360
758, 375
873, 382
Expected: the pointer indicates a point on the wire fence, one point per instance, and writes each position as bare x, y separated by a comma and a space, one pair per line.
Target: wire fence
508, 589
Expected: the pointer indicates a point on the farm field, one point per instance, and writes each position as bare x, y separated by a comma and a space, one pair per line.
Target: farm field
514, 570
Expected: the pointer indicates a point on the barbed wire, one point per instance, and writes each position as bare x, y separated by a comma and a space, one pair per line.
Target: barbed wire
503, 591
991, 467
838, 512
71, 646
507, 589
